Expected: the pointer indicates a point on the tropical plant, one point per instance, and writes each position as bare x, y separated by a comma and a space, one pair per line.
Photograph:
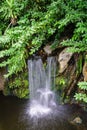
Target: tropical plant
82, 96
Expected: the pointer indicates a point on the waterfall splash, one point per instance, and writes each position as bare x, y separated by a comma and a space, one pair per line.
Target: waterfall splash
41, 81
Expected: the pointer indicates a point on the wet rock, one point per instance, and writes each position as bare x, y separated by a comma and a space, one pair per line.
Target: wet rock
63, 60
2, 79
85, 70
77, 120
48, 49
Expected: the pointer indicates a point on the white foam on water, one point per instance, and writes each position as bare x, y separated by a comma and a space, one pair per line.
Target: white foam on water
37, 110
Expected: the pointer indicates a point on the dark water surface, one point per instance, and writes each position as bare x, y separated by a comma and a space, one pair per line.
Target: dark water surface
14, 116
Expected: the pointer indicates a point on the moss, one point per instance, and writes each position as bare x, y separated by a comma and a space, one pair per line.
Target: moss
18, 85
21, 92
60, 83
6, 91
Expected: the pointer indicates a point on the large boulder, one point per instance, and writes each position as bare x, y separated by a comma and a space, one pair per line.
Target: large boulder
63, 60
77, 120
85, 69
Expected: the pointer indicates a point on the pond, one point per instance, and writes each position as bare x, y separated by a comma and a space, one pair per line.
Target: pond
14, 116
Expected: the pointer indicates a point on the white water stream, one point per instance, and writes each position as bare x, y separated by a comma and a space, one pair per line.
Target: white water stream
41, 81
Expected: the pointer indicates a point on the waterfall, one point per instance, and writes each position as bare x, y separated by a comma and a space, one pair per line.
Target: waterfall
41, 81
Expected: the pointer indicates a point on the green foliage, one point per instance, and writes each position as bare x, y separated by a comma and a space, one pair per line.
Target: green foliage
75, 46
33, 28
83, 85
19, 85
77, 16
60, 82
12, 8
82, 96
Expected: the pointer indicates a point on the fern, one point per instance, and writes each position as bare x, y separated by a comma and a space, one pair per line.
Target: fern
75, 46
82, 85
82, 96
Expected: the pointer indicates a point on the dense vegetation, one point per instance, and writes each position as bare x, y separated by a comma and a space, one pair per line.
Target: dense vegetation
27, 25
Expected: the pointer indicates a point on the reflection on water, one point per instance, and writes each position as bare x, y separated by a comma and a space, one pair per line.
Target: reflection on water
13, 116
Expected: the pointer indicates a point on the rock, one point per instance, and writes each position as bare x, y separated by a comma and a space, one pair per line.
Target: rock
2, 79
77, 120
47, 49
63, 60
85, 70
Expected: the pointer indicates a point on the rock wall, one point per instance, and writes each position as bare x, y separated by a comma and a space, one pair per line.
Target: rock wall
69, 73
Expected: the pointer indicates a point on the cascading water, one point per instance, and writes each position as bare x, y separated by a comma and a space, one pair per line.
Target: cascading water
41, 80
